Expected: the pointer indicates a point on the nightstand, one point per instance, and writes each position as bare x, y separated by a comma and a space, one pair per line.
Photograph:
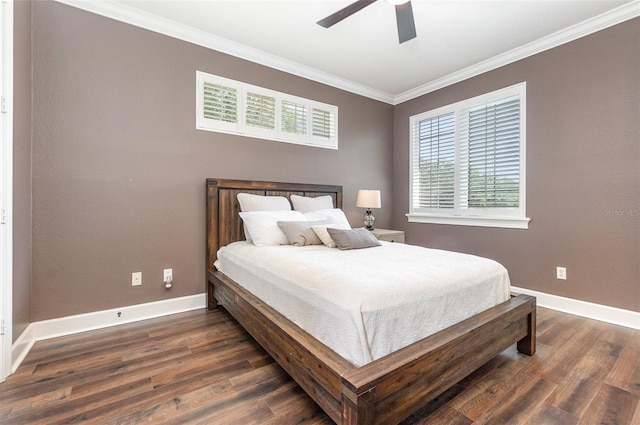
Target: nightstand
389, 235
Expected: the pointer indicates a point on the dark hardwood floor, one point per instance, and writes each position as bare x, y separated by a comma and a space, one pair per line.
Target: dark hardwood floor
201, 367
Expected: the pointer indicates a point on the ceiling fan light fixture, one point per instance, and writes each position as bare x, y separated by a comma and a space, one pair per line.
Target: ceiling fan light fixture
397, 2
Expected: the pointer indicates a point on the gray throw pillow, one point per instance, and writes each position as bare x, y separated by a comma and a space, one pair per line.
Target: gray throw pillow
353, 238
300, 233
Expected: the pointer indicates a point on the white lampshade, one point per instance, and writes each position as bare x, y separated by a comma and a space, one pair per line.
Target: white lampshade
368, 199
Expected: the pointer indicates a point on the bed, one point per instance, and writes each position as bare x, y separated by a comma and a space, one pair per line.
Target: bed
385, 390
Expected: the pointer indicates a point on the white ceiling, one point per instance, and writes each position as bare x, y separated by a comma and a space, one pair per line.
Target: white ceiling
455, 39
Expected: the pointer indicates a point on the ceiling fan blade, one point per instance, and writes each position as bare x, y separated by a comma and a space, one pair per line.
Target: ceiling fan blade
406, 24
344, 13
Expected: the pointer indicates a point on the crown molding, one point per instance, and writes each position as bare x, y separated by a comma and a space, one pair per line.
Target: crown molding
566, 35
170, 28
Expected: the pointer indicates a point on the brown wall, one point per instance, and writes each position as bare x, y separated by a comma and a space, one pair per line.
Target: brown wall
119, 168
583, 170
21, 168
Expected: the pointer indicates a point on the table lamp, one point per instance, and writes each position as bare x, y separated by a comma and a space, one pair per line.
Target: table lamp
368, 199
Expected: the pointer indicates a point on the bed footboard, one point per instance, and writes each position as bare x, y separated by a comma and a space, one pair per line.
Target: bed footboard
391, 388
397, 385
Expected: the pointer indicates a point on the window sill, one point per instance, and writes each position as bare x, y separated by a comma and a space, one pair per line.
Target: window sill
503, 222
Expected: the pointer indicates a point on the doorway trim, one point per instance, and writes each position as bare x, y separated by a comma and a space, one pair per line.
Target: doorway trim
6, 190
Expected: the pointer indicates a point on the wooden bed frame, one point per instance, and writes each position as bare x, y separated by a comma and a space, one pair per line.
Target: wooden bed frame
384, 391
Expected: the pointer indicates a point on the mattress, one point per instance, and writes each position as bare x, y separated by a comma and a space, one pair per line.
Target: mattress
367, 303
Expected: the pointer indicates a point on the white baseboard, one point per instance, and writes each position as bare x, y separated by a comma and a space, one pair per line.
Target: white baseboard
46, 329
616, 316
21, 347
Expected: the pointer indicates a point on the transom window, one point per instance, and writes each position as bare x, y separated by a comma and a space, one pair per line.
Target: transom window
229, 106
467, 162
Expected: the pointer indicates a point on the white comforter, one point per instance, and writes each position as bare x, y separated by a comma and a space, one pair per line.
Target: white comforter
367, 303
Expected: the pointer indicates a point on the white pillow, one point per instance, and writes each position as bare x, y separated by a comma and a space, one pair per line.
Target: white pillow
323, 234
250, 202
307, 203
336, 215
262, 226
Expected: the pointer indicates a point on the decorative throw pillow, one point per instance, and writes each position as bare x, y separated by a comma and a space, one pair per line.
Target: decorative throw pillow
307, 203
353, 238
300, 233
323, 234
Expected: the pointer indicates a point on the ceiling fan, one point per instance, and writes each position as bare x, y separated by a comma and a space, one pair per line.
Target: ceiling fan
404, 17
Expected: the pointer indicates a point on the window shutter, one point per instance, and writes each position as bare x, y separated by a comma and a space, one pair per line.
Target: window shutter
233, 107
434, 162
294, 118
322, 124
491, 178
220, 103
467, 162
260, 111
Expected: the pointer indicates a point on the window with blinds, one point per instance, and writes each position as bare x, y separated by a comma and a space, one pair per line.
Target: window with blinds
220, 103
491, 177
323, 124
260, 111
434, 162
229, 106
467, 162
294, 118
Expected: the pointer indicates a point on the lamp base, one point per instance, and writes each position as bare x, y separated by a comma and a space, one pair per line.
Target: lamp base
368, 220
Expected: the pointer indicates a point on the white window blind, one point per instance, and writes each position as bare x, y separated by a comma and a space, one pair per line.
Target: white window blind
434, 162
467, 162
229, 106
491, 177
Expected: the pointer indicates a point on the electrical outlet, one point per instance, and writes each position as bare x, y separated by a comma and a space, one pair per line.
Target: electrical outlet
136, 278
561, 273
168, 275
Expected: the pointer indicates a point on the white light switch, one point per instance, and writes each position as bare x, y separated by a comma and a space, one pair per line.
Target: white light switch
136, 278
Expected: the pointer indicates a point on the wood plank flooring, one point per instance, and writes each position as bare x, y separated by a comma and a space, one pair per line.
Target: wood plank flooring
201, 367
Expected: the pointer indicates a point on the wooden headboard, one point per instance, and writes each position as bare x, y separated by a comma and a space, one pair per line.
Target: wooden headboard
224, 225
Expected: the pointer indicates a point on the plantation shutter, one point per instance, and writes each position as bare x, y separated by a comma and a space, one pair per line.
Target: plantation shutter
322, 123
260, 111
490, 175
220, 103
233, 107
294, 118
467, 162
434, 162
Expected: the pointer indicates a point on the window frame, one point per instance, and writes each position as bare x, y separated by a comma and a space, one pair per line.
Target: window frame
279, 134
458, 215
